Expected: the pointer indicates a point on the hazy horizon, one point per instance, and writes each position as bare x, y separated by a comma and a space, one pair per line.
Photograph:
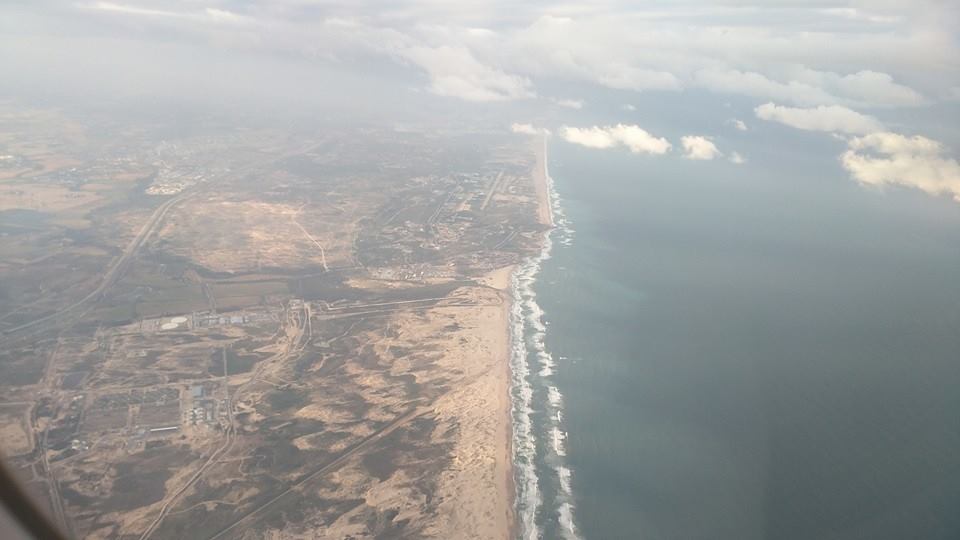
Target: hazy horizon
297, 267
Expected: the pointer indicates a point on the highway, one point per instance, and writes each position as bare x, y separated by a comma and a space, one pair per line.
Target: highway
113, 273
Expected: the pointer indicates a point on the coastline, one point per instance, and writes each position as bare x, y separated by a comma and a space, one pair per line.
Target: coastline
501, 280
475, 491
542, 186
524, 499
544, 501
504, 281
479, 491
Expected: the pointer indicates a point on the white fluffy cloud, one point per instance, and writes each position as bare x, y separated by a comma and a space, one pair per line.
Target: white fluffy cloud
528, 129
699, 148
889, 158
712, 45
638, 140
830, 118
739, 124
591, 137
454, 72
870, 53
737, 159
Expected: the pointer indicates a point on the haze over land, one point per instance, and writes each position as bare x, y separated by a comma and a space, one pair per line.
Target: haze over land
849, 68
262, 263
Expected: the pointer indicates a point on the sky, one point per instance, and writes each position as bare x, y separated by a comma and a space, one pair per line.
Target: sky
881, 77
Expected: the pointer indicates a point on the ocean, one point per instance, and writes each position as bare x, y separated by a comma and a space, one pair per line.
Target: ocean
706, 351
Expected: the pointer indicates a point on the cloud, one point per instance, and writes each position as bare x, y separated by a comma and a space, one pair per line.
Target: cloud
625, 77
208, 15
224, 16
868, 88
806, 86
592, 137
758, 85
568, 103
134, 10
638, 140
739, 124
454, 72
859, 15
628, 107
787, 51
832, 118
888, 158
737, 159
528, 129
699, 148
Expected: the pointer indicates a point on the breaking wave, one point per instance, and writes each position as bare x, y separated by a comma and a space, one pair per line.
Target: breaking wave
529, 353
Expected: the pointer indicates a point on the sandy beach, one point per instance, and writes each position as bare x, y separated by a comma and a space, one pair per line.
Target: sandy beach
479, 492
544, 212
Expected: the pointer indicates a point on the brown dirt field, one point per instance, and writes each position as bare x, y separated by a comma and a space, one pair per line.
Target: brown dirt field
14, 437
42, 197
232, 236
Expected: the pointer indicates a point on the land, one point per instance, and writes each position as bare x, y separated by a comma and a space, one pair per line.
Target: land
253, 332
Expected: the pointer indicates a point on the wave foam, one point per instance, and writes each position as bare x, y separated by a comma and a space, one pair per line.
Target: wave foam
528, 338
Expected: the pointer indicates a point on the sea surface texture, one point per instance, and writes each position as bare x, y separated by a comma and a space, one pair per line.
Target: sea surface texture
709, 353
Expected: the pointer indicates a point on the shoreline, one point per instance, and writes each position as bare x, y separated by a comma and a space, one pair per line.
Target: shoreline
501, 280
483, 479
475, 490
542, 186
480, 490
511, 294
532, 379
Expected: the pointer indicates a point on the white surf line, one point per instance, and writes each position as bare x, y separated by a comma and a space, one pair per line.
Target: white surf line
526, 315
564, 500
556, 444
524, 443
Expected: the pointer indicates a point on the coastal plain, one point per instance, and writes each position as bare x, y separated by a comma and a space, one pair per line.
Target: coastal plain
251, 332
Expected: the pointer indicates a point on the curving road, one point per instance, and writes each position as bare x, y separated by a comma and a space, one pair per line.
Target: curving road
114, 272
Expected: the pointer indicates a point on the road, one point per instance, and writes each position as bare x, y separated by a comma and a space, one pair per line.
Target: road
113, 273
116, 270
293, 346
56, 499
493, 189
330, 466
323, 253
